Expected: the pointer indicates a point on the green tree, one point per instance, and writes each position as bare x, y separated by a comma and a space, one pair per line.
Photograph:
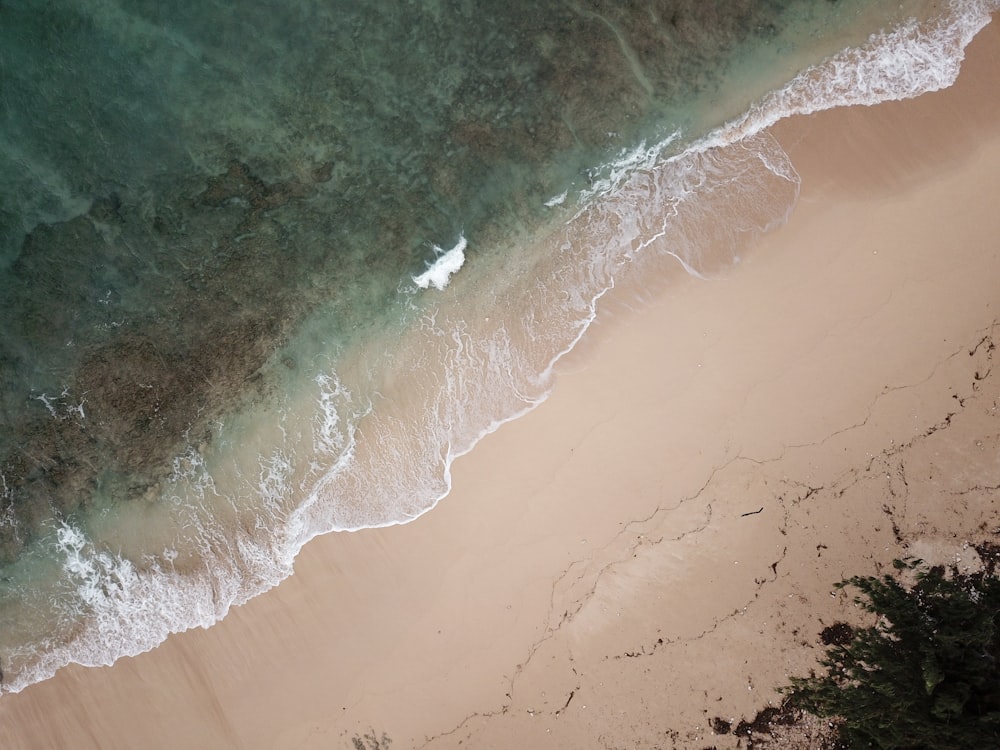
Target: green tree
926, 675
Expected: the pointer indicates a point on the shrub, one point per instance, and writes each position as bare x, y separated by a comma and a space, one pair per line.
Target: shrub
926, 675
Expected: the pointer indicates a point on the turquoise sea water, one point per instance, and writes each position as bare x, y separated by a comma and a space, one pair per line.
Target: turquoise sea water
227, 240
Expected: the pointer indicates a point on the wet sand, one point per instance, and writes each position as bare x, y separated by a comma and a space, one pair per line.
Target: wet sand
655, 546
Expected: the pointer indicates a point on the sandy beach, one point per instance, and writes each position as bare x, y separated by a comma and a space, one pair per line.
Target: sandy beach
644, 558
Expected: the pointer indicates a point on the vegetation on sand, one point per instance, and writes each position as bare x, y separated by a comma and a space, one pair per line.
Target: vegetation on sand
926, 675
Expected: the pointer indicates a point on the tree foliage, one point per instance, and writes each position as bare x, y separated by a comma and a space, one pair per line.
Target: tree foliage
926, 675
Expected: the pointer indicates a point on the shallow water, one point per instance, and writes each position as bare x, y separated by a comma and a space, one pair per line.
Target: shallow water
217, 338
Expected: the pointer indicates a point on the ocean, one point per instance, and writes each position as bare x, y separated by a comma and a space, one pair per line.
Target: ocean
268, 271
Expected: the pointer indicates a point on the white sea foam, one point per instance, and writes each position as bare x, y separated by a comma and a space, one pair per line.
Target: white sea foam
912, 59
329, 437
557, 200
62, 406
125, 611
445, 264
7, 516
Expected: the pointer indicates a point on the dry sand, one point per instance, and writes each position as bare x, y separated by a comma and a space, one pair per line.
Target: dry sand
655, 546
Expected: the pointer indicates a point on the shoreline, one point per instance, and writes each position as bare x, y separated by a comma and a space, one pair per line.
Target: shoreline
835, 351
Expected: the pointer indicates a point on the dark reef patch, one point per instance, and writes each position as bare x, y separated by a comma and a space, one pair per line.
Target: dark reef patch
132, 372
